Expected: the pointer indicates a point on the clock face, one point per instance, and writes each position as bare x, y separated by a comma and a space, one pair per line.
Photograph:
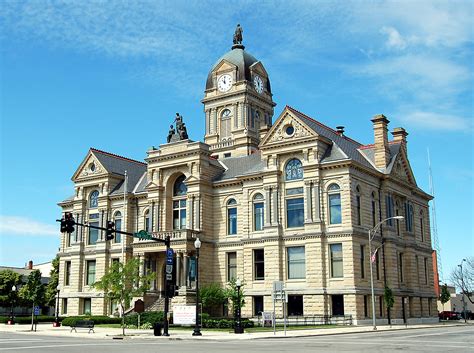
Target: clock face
224, 83
258, 83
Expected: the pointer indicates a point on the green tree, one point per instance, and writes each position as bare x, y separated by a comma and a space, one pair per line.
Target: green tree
51, 288
8, 279
121, 283
213, 297
33, 291
444, 296
232, 294
388, 299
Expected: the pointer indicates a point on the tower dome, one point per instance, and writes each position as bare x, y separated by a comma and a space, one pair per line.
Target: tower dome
240, 58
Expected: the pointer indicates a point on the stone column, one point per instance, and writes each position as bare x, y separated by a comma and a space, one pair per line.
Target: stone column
235, 115
308, 204
268, 221
186, 269
214, 121
316, 202
208, 121
178, 268
101, 224
274, 206
198, 213
191, 221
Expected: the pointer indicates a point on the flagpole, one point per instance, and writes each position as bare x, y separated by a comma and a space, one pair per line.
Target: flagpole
124, 218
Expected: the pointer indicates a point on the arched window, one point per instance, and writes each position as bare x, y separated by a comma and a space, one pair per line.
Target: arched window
118, 226
258, 212
147, 221
334, 200
94, 199
232, 217
294, 170
179, 203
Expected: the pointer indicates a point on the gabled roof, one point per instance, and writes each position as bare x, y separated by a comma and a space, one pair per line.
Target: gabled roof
238, 166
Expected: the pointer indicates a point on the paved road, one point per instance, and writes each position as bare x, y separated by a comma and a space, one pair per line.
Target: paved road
445, 339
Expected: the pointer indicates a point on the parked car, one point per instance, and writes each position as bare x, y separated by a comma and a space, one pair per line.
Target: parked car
449, 315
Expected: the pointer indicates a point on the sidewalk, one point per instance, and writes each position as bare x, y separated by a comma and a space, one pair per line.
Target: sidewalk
179, 334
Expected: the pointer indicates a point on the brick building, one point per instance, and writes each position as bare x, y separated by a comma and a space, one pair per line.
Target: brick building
286, 199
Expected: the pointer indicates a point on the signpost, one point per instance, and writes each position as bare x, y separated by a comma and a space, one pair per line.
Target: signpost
279, 294
184, 314
36, 313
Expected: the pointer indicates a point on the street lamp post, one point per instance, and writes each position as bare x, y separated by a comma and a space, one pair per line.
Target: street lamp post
372, 233
238, 317
197, 331
462, 290
56, 322
12, 316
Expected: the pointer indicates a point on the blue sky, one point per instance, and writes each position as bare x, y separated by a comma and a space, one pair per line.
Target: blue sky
111, 75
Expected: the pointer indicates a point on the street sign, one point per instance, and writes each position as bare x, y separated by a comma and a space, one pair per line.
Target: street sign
37, 310
143, 235
169, 256
139, 306
277, 286
169, 276
169, 268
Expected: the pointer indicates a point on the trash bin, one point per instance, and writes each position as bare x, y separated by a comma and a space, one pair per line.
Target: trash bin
157, 329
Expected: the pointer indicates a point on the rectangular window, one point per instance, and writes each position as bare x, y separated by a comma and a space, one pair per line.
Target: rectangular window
71, 237
422, 229
90, 270
64, 306
93, 234
408, 216
377, 264
295, 212
232, 221
425, 263
429, 306
118, 226
389, 209
421, 307
87, 306
257, 305
400, 266
337, 302
259, 264
398, 223
295, 305
358, 210
296, 262
335, 208
67, 273
231, 265
381, 306
366, 306
294, 191
417, 269
258, 216
336, 260
362, 261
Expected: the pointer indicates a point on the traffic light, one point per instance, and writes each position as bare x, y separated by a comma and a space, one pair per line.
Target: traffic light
109, 233
63, 225
68, 223
168, 241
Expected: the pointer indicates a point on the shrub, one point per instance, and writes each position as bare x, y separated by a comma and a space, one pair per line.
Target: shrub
149, 317
223, 322
71, 320
27, 319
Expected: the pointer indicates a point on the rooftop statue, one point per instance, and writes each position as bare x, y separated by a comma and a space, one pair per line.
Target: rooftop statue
180, 133
238, 35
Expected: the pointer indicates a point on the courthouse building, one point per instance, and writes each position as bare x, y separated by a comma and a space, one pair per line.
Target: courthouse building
282, 198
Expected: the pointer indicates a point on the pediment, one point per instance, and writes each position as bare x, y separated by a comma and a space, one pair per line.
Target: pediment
401, 169
259, 69
287, 128
90, 167
224, 66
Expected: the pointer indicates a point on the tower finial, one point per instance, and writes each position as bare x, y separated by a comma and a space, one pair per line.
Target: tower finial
238, 38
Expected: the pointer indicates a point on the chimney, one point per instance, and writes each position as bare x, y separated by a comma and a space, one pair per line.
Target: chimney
400, 136
340, 130
30, 265
381, 151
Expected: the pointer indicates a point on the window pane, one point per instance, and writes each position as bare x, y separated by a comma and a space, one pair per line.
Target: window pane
180, 187
259, 264
231, 265
90, 272
335, 208
183, 219
336, 261
294, 191
296, 262
295, 212
258, 215
294, 170
232, 221
118, 226
93, 234
94, 199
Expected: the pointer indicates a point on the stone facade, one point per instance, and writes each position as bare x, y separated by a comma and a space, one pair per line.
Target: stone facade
289, 201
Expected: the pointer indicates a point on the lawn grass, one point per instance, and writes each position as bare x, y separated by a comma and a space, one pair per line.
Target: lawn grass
249, 330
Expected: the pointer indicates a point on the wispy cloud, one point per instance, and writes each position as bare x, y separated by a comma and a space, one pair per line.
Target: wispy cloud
435, 121
26, 227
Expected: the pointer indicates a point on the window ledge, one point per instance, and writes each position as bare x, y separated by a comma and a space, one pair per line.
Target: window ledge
336, 279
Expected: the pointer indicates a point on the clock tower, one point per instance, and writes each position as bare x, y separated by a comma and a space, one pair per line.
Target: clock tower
237, 102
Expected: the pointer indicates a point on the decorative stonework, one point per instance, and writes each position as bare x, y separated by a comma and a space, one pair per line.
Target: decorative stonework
289, 128
92, 167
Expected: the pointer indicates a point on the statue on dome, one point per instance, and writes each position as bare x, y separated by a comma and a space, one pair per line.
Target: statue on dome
180, 133
238, 35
